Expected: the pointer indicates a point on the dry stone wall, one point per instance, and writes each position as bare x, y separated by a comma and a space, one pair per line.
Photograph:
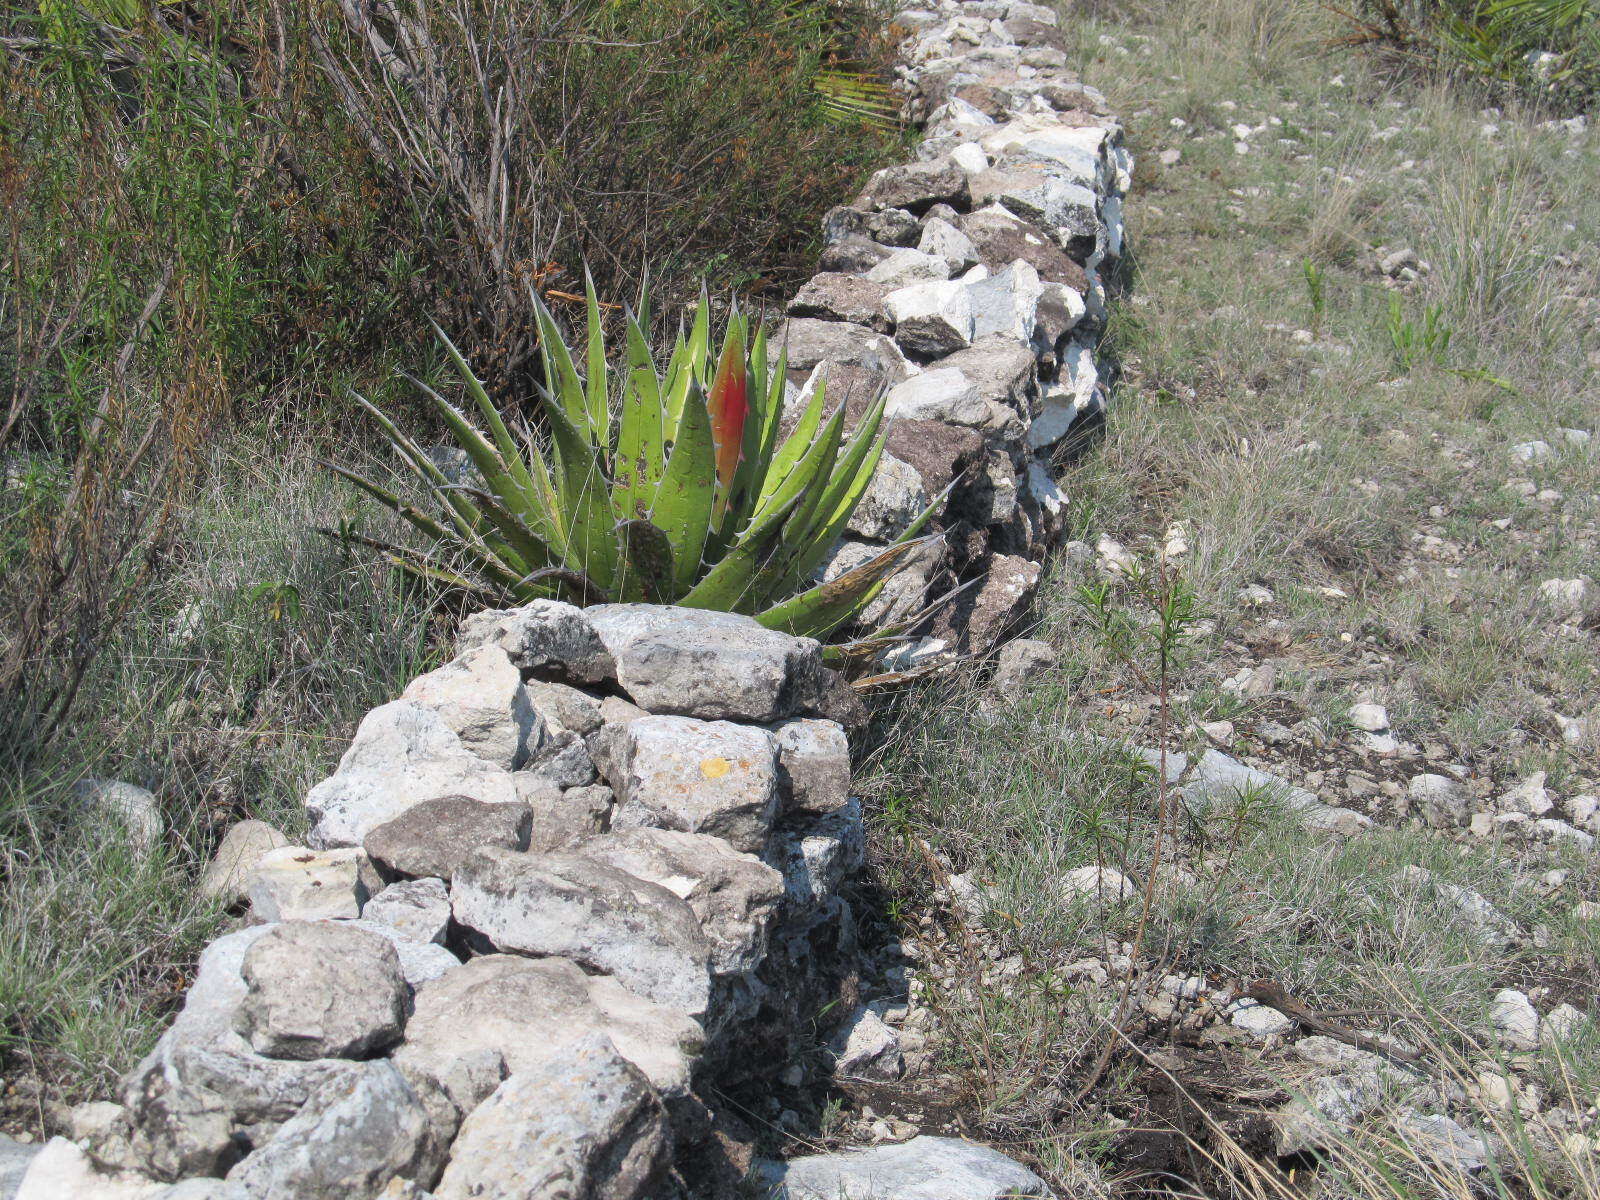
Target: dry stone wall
571, 886
971, 284
554, 894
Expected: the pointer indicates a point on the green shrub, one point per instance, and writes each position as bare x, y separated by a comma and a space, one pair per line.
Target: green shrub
669, 488
1546, 48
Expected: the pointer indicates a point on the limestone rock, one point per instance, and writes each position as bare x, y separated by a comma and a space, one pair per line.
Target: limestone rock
430, 839
894, 499
402, 754
354, 1135
417, 909
546, 638
584, 1124
591, 913
863, 1047
1006, 304
1445, 804
479, 695
419, 961
321, 990
1021, 664
14, 1160
981, 616
734, 896
1001, 239
939, 452
902, 268
941, 393
1107, 883
835, 296
916, 186
565, 709
1515, 1020
698, 776
925, 1168
126, 804
227, 875
933, 318
943, 240
293, 883
817, 853
59, 1170
501, 1015
813, 764
890, 226
202, 1096
811, 342
714, 665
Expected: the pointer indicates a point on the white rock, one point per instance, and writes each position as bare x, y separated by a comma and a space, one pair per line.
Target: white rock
1442, 1142
932, 318
1373, 718
1114, 558
905, 266
937, 394
1532, 452
293, 883
864, 1047
402, 754
1253, 595
925, 1168
61, 1171
1568, 599
1564, 1023
943, 240
1515, 1021
1529, 796
711, 777
585, 1123
479, 695
227, 875
127, 804
1105, 882
543, 638
417, 909
1260, 1021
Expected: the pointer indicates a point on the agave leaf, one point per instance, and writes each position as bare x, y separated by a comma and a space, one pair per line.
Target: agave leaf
595, 380
728, 405
822, 609
795, 445
583, 590
585, 497
732, 584
511, 451
644, 558
641, 446
412, 516
496, 473
560, 376
532, 550
682, 509
813, 466
463, 516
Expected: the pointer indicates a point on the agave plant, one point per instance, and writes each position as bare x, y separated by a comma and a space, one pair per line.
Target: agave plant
669, 487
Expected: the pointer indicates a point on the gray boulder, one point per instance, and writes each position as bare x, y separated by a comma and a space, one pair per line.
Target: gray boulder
585, 1124
430, 839
1021, 664
402, 754
813, 764
419, 961
941, 393
715, 665
932, 318
501, 1015
321, 989
546, 638
354, 1135
591, 913
227, 875
816, 854
565, 709
711, 777
916, 186
294, 883
1001, 239
14, 1160
480, 696
126, 804
894, 499
416, 909
202, 1096
734, 896
925, 1168
888, 226
836, 296
810, 342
